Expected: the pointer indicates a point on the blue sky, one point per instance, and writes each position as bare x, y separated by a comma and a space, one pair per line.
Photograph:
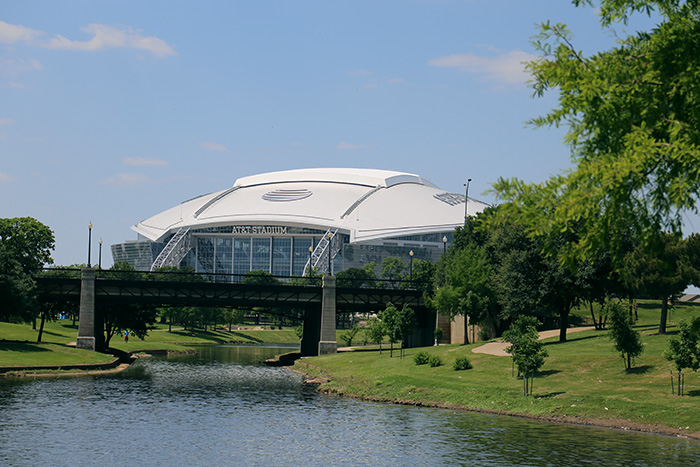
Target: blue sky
112, 111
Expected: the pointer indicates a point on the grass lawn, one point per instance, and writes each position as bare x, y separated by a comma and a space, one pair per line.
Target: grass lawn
18, 345
583, 378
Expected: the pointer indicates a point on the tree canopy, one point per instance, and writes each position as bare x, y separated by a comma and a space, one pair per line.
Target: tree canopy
632, 115
25, 246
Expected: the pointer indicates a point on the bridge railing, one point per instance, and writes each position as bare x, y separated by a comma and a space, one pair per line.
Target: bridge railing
248, 278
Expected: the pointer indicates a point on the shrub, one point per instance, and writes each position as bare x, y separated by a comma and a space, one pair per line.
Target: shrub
462, 363
434, 361
421, 358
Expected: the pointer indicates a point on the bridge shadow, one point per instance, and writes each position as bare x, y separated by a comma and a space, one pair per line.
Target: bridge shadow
218, 337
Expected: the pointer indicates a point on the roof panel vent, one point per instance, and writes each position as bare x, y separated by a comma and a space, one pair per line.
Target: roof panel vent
284, 195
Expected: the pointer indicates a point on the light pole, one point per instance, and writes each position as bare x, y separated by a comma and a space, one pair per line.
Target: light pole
311, 250
89, 241
466, 199
410, 267
99, 258
330, 244
444, 244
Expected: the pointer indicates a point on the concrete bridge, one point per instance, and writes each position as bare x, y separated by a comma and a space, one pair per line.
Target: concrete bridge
320, 303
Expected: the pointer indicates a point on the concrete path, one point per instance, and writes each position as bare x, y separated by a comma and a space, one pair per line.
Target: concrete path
498, 348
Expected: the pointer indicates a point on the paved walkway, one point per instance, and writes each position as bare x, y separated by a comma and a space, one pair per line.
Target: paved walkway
498, 348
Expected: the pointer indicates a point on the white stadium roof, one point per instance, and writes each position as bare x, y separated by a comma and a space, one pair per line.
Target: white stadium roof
366, 204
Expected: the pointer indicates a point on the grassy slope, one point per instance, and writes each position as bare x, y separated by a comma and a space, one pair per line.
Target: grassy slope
20, 348
582, 378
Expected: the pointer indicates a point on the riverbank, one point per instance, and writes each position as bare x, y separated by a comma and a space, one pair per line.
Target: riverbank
582, 382
22, 356
311, 377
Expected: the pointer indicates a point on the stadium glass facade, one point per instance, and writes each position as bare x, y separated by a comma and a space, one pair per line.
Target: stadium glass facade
225, 251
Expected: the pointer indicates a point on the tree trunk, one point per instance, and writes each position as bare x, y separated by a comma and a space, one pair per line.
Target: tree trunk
679, 383
41, 327
595, 323
629, 362
466, 330
563, 324
664, 315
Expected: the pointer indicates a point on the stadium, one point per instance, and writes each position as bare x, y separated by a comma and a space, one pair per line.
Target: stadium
287, 222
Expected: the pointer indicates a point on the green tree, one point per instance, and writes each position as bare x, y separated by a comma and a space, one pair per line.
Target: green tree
118, 317
657, 271
25, 247
463, 285
631, 114
376, 331
390, 321
233, 316
28, 241
527, 350
349, 335
683, 350
363, 277
394, 270
406, 324
17, 290
627, 340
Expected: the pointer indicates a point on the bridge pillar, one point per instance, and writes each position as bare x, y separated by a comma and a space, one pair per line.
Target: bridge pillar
311, 332
327, 343
90, 327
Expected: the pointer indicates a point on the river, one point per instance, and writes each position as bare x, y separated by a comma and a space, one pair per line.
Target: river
221, 407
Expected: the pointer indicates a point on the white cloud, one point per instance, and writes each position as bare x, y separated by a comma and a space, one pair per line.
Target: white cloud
108, 36
359, 72
6, 177
213, 146
13, 67
13, 33
103, 37
11, 84
143, 161
124, 179
507, 68
6, 121
344, 145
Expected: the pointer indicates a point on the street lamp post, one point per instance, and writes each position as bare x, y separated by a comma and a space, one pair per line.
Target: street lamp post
311, 250
444, 244
410, 267
89, 242
466, 199
330, 244
99, 258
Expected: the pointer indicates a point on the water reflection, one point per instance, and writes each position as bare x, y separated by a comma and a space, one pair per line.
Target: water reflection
217, 408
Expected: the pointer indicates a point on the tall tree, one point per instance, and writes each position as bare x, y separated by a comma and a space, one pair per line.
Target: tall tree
527, 350
632, 115
683, 350
25, 246
627, 340
463, 286
394, 270
657, 271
